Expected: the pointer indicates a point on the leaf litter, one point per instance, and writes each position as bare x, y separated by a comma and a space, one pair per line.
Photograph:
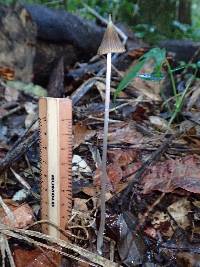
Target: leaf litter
162, 202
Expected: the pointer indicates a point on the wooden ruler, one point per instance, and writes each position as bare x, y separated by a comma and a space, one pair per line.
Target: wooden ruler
55, 117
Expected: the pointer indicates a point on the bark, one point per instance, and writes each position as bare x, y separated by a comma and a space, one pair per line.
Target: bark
63, 27
47, 57
17, 42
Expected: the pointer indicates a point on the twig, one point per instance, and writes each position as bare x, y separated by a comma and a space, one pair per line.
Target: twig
83, 89
139, 174
100, 119
22, 137
21, 180
7, 211
120, 32
10, 112
24, 234
9, 253
5, 249
18, 151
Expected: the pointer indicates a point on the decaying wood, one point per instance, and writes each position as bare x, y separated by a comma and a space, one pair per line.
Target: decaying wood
86, 69
60, 33
41, 36
36, 37
63, 27
17, 41
56, 80
82, 90
47, 57
122, 62
183, 49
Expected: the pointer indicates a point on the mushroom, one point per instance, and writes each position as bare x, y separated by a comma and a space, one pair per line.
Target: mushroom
110, 44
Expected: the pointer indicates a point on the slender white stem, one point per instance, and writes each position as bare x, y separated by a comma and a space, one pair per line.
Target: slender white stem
104, 157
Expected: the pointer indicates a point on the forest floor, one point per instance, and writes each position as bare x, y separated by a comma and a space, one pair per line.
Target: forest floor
153, 168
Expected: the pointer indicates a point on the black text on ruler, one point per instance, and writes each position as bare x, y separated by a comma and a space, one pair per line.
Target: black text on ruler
52, 190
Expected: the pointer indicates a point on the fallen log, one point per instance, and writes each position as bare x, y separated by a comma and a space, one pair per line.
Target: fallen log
184, 50
43, 36
17, 42
59, 26
33, 38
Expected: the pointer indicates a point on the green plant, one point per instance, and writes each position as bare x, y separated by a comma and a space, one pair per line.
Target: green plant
179, 98
159, 57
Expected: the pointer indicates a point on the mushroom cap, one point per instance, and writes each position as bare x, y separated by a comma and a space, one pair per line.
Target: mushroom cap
111, 42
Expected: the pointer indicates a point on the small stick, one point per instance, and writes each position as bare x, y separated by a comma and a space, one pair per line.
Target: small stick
120, 32
110, 44
26, 235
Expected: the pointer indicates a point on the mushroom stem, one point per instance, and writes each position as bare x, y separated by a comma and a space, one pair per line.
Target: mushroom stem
104, 157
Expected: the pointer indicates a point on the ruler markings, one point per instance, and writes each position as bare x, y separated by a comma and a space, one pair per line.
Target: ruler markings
44, 169
56, 157
65, 167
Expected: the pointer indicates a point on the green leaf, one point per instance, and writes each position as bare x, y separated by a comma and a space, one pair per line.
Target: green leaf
158, 55
129, 77
178, 103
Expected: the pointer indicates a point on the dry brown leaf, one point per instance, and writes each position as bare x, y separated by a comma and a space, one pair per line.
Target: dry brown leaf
23, 216
179, 211
187, 259
81, 134
7, 73
123, 157
159, 123
132, 168
183, 172
80, 204
194, 97
114, 172
127, 133
90, 191
137, 52
35, 258
11, 205
119, 167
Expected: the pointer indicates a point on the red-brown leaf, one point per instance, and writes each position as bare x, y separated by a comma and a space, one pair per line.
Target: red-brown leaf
23, 216
81, 134
171, 174
123, 157
35, 258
